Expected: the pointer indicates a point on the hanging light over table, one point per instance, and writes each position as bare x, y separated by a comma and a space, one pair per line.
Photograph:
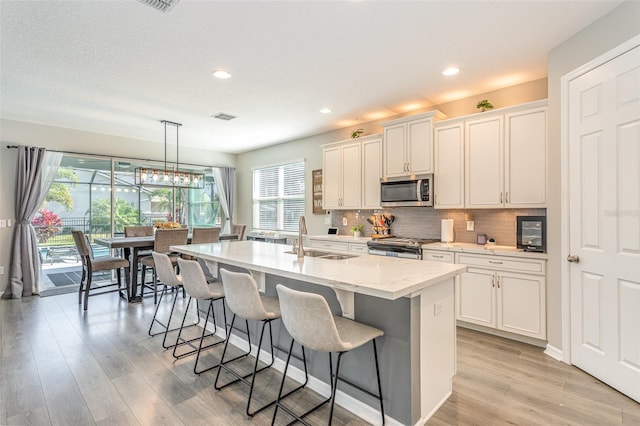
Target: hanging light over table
168, 176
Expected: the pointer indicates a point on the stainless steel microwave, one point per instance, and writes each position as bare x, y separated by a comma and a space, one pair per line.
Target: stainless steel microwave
413, 191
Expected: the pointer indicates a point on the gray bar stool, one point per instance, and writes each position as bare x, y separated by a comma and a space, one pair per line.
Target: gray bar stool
243, 298
197, 287
166, 275
308, 318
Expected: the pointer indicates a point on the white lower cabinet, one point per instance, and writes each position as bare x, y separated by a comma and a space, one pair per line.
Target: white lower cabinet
358, 247
329, 245
332, 245
507, 294
438, 256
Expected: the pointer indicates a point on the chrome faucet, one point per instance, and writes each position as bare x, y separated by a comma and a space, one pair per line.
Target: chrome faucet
302, 230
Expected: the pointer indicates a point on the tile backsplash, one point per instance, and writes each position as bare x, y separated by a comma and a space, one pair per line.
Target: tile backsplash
424, 222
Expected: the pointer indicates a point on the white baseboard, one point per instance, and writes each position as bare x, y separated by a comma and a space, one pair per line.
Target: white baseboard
554, 353
423, 421
359, 408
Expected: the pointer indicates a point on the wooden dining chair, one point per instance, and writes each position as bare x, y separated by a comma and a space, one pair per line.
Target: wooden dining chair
138, 231
91, 265
164, 239
203, 236
239, 231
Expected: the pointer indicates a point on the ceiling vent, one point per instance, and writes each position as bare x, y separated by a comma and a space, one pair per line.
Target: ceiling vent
161, 5
223, 116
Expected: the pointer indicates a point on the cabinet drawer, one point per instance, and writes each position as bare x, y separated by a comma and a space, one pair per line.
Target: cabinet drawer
360, 248
438, 256
501, 263
330, 245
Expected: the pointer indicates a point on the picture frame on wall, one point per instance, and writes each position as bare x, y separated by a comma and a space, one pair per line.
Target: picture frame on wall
316, 179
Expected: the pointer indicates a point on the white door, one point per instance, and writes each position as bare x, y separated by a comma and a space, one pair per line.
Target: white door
604, 217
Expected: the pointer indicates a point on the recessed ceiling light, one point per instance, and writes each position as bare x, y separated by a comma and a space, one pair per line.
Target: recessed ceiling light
221, 74
326, 111
451, 71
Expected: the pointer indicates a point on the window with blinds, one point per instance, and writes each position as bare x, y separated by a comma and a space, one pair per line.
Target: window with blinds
278, 197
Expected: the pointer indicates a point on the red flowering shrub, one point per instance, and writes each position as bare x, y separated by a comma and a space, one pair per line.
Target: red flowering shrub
47, 224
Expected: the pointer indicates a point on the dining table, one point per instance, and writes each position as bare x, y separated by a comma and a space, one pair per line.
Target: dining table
132, 247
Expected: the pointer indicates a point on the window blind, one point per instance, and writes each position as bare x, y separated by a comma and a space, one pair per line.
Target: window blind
278, 196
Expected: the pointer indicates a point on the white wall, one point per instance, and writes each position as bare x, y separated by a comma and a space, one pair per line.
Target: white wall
608, 32
59, 139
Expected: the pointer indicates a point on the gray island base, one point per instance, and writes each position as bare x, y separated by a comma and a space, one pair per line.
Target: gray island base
411, 301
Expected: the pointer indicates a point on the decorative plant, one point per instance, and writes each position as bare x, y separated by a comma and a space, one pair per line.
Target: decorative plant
357, 228
484, 105
47, 225
356, 133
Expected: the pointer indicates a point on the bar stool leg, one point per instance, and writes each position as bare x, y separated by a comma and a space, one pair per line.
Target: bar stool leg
375, 356
281, 396
211, 312
335, 387
224, 351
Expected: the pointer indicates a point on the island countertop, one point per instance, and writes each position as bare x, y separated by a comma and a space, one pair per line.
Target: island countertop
379, 276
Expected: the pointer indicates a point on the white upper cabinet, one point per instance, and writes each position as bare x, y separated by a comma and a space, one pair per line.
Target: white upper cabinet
449, 166
526, 158
408, 145
341, 176
351, 174
506, 158
484, 158
371, 173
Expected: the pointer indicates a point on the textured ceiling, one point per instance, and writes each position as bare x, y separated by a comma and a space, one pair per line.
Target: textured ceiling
119, 67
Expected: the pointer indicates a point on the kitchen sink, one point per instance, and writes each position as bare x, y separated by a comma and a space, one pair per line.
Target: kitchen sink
324, 254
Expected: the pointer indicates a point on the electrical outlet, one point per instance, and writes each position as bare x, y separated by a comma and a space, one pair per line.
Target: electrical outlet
9, 223
344, 221
1, 270
3, 223
437, 308
470, 225
327, 220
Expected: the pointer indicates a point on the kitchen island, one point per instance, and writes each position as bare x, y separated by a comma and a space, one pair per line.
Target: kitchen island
412, 301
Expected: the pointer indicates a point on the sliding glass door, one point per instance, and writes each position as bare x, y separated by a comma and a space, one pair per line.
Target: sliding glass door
99, 196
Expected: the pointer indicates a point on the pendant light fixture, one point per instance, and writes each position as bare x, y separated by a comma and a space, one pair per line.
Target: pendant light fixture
172, 177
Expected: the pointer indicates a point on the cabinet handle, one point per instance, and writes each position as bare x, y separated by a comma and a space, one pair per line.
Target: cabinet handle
500, 197
506, 197
493, 280
437, 256
498, 279
495, 262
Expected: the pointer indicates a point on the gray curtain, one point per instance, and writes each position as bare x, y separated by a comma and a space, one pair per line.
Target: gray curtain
225, 180
35, 170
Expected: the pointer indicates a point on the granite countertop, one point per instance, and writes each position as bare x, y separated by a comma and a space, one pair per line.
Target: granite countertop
379, 276
491, 249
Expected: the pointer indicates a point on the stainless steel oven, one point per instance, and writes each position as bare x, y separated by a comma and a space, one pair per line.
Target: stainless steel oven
408, 248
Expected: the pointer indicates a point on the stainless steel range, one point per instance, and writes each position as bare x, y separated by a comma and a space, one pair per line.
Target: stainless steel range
410, 248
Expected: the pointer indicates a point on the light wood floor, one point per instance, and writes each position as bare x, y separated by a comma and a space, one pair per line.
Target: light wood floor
62, 367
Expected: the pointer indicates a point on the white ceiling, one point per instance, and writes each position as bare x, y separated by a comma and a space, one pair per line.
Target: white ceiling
119, 67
